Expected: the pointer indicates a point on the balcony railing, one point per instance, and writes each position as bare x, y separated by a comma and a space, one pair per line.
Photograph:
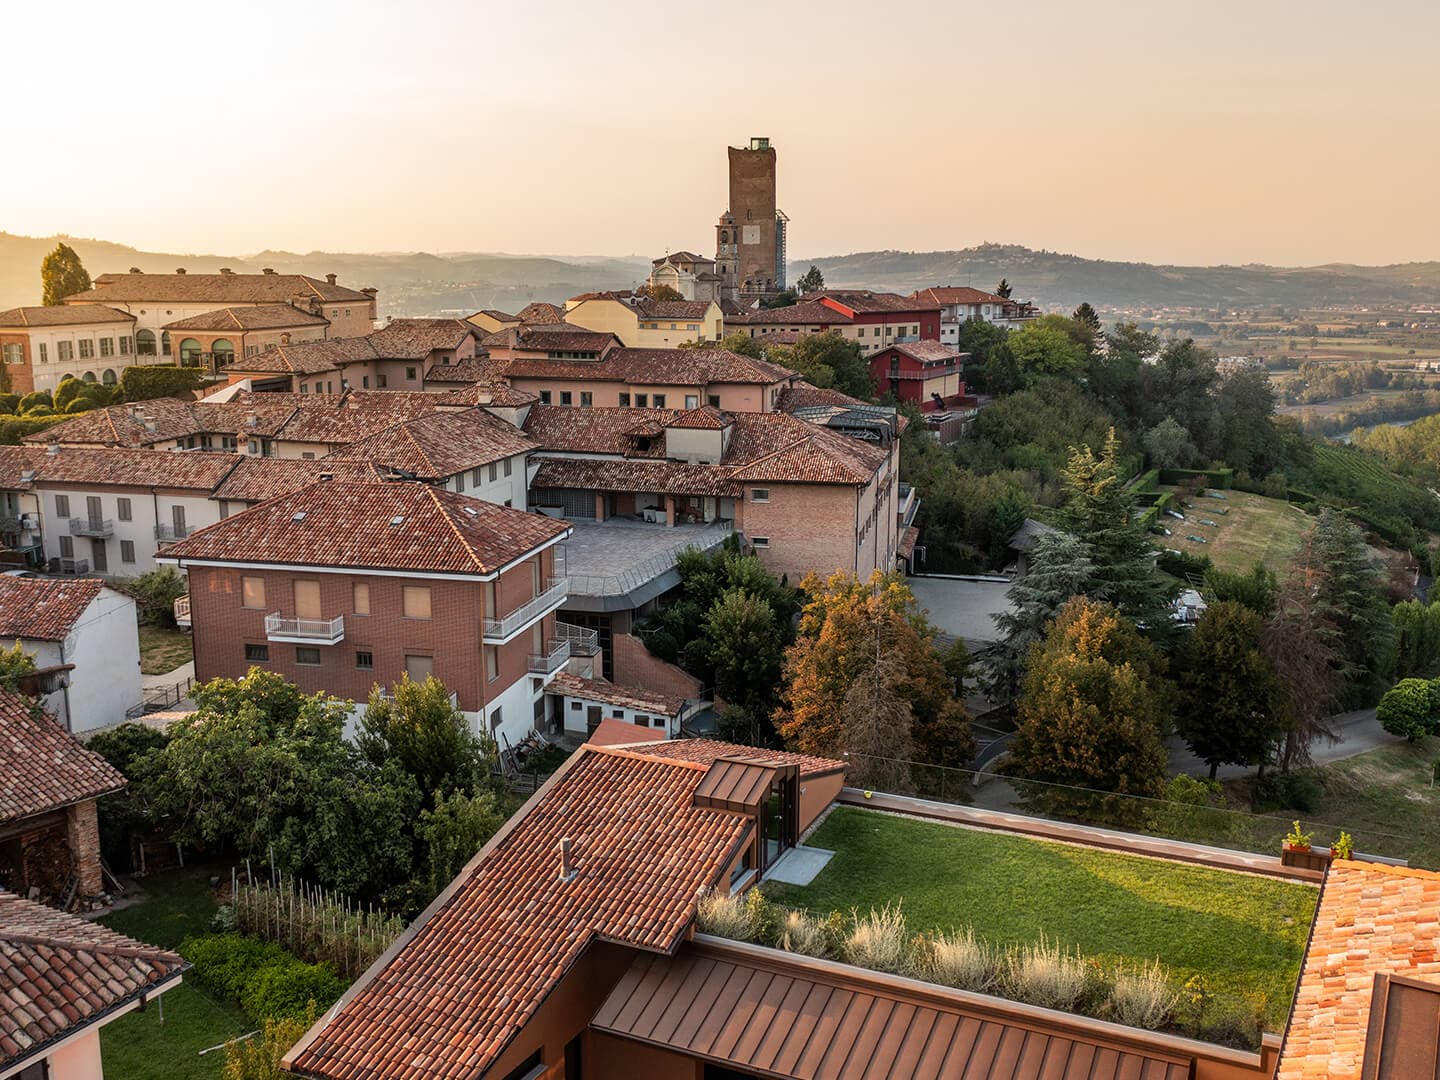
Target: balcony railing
305, 631
92, 527
498, 631
582, 640
182, 611
554, 657
168, 534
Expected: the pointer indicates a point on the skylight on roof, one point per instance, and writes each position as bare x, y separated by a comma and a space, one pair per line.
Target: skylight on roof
470, 510
398, 519
299, 515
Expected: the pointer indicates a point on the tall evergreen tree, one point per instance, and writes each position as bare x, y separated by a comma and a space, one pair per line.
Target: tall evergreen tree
1059, 568
811, 281
1100, 512
1304, 650
1227, 709
1087, 316
1350, 594
61, 275
1003, 289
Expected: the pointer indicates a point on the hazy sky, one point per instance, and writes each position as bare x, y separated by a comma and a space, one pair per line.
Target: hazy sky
1267, 130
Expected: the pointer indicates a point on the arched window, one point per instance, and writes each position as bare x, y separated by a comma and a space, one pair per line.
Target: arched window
144, 342
109, 377
223, 351
724, 236
89, 376
189, 352
164, 342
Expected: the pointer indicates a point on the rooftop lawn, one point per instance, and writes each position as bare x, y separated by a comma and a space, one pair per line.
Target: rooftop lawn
1255, 529
1243, 934
142, 1046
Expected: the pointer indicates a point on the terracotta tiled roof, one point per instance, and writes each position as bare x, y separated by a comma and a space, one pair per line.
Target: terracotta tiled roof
145, 423
659, 477
612, 732
803, 395
356, 417
256, 479
707, 751
706, 417
679, 257
906, 547
476, 967
866, 301
469, 370
805, 313
781, 448
441, 444
60, 315
416, 339
779, 337
259, 317
628, 697
594, 431
306, 357
499, 394
43, 609
497, 314
550, 337
925, 351
948, 295
196, 470
45, 766
60, 973
224, 289
1371, 919
540, 312
671, 309
392, 525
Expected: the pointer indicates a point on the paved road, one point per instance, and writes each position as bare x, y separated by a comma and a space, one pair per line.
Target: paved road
1359, 732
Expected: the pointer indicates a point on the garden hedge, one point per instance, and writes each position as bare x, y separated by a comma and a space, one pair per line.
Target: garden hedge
268, 982
1216, 478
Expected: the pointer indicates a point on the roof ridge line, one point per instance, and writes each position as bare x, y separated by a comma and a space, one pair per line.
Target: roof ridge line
145, 952
660, 759
450, 521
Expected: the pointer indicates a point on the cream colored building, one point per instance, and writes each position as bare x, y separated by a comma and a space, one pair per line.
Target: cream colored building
647, 324
39, 346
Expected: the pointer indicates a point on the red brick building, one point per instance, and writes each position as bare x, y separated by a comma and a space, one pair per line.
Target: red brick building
343, 585
875, 320
925, 373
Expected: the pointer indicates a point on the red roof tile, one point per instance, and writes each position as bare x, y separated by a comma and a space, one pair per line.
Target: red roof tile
440, 444
707, 751
195, 470
46, 767
59, 315
479, 963
60, 973
43, 609
1371, 918
657, 477
258, 317
256, 479
389, 525
221, 289
629, 697
949, 295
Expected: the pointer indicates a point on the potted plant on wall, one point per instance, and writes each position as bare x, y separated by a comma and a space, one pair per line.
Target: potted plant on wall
1344, 847
1296, 851
1298, 841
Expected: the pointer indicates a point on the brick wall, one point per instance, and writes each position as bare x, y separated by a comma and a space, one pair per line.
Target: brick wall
634, 666
451, 637
83, 835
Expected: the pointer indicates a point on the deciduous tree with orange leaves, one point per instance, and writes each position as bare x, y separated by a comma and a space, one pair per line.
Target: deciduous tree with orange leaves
870, 634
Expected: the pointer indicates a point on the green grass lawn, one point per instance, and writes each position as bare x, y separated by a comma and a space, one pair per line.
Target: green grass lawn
1255, 529
1243, 934
163, 649
139, 1046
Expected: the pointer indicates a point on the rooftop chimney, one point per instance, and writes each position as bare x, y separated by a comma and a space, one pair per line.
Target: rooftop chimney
53, 449
285, 338
330, 278
267, 270
370, 292
567, 869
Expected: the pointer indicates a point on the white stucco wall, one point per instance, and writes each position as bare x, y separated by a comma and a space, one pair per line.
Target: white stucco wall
147, 510
576, 724
512, 487
104, 646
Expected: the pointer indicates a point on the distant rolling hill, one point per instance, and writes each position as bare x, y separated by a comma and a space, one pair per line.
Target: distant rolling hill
415, 283
1063, 281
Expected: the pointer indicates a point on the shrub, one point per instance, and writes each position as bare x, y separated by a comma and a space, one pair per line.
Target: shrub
156, 591
1045, 974
259, 1059
800, 933
14, 428
1409, 709
9, 403
1232, 1022
224, 963
287, 988
719, 913
1183, 565
878, 940
960, 960
155, 381
1286, 791
1143, 998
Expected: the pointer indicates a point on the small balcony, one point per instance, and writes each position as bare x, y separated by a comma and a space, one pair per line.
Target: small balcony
100, 527
498, 631
305, 631
582, 640
169, 534
552, 659
182, 612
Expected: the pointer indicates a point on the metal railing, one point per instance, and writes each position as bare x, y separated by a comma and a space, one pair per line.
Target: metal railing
182, 610
168, 534
582, 640
554, 656
91, 527
647, 570
552, 597
321, 631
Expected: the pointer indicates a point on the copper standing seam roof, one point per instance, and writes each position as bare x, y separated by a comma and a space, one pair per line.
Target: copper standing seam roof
1403, 1042
736, 784
810, 1024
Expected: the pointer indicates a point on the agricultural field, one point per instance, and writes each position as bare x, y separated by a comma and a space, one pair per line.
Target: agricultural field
1248, 529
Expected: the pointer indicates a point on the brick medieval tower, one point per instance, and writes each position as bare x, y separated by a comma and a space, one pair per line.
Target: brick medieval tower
750, 236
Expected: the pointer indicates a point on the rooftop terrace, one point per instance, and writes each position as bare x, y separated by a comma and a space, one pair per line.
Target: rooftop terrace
623, 562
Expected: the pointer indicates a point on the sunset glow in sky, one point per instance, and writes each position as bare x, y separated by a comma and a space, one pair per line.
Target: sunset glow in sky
1275, 131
